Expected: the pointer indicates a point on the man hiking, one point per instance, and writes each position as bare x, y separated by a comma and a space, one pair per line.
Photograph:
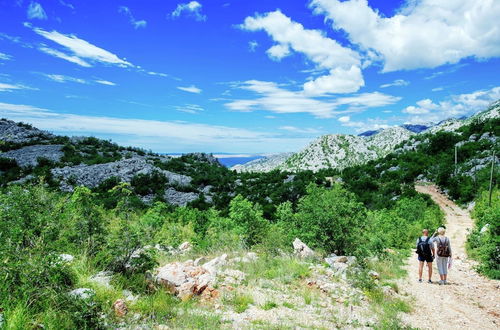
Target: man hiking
426, 253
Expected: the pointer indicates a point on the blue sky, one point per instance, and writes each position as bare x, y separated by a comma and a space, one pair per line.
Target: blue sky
243, 76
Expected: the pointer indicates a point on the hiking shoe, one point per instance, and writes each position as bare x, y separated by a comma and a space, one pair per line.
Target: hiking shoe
444, 282
441, 282
429, 281
420, 280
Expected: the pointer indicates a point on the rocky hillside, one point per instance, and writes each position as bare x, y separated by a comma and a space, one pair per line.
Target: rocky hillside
29, 154
263, 164
339, 151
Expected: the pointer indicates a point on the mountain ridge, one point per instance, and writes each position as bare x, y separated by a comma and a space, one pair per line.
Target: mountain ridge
343, 150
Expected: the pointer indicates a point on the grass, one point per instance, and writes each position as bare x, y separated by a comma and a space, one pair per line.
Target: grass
386, 308
239, 301
285, 269
269, 305
160, 306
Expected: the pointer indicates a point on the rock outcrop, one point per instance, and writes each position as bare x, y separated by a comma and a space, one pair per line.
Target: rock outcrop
28, 156
125, 169
13, 132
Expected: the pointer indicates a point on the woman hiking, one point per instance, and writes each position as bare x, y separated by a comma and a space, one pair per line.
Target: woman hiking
443, 247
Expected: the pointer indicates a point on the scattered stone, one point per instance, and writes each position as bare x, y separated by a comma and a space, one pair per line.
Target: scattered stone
66, 257
120, 308
373, 274
103, 279
82, 293
485, 228
232, 277
129, 296
185, 279
199, 261
185, 247
302, 250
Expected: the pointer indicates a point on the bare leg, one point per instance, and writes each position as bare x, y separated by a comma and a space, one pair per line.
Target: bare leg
429, 266
420, 269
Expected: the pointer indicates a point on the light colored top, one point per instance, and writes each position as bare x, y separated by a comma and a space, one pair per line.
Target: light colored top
424, 238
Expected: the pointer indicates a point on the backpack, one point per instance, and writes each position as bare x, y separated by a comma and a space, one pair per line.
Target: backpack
443, 247
423, 248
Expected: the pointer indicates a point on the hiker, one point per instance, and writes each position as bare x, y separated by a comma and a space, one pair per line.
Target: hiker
443, 254
426, 253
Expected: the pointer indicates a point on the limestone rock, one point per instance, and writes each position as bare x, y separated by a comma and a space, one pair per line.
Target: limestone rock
28, 156
185, 247
302, 250
82, 293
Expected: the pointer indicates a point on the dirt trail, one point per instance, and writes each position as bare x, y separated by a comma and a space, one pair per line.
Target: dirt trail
470, 301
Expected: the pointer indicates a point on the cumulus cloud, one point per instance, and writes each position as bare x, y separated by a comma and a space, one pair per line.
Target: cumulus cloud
423, 34
192, 9
81, 52
397, 82
35, 11
135, 23
190, 89
426, 110
273, 97
341, 63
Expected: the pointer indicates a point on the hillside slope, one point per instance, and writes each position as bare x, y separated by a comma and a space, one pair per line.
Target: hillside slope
339, 151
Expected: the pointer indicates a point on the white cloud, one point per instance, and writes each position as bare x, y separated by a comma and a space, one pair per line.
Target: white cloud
4, 87
105, 82
277, 52
190, 89
344, 119
135, 23
342, 63
63, 79
190, 108
275, 98
437, 89
423, 34
370, 124
252, 45
5, 57
82, 51
64, 56
426, 110
339, 80
192, 9
301, 130
153, 134
397, 82
66, 4
35, 10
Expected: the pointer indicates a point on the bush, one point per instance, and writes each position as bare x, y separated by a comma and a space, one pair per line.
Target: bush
485, 246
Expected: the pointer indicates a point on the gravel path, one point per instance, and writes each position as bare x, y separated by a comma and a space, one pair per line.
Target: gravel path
470, 301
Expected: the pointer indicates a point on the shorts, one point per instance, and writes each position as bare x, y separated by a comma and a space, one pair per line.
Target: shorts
426, 259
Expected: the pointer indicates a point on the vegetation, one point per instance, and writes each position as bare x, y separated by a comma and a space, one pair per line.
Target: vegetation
366, 211
484, 241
